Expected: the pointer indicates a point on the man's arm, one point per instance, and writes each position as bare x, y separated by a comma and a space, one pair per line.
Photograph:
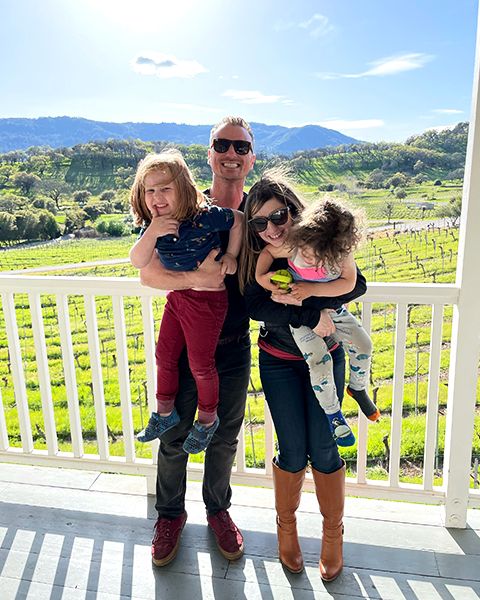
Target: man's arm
208, 274
229, 259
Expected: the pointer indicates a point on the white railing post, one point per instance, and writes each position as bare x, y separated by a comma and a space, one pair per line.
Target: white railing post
123, 377
151, 372
465, 330
43, 373
97, 376
362, 432
431, 422
71, 388
18, 375
397, 394
3, 428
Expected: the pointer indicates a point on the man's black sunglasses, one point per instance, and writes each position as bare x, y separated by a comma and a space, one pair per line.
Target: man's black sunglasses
277, 217
222, 145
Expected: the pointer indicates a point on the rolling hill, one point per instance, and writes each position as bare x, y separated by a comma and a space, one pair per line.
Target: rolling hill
60, 132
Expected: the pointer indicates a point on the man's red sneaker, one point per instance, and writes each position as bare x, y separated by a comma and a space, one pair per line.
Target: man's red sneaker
228, 536
166, 539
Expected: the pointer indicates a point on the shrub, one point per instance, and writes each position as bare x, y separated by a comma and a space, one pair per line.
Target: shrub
113, 228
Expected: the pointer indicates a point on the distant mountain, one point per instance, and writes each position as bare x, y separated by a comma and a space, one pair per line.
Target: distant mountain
58, 132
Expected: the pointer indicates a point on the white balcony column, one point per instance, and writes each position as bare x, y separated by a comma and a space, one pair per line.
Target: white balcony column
465, 330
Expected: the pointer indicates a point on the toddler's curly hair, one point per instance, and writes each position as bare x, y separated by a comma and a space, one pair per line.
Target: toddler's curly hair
330, 229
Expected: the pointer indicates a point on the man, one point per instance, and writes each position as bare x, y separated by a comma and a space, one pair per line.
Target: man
231, 158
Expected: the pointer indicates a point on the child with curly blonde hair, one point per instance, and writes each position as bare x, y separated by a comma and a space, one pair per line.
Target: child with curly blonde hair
319, 248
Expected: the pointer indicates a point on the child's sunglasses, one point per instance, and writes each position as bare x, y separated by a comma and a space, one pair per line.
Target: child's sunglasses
277, 217
222, 145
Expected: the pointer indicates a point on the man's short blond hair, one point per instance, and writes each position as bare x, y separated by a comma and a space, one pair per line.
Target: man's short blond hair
230, 120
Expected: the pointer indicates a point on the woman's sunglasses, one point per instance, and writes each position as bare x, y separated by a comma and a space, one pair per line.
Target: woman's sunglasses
222, 145
277, 217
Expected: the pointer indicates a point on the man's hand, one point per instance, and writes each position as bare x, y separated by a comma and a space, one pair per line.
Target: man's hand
302, 290
229, 264
325, 326
209, 273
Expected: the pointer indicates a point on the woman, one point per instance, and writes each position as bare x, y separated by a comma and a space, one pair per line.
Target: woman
302, 428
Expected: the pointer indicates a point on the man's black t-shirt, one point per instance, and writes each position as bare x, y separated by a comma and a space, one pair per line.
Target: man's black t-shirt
237, 322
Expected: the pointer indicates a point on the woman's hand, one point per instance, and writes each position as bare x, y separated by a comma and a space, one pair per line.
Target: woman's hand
325, 326
283, 297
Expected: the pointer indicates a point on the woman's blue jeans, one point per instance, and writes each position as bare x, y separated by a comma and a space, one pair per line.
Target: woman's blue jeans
302, 428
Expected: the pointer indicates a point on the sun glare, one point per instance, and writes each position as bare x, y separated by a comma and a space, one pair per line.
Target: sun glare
143, 15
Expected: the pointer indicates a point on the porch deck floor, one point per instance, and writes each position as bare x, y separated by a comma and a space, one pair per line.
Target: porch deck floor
81, 534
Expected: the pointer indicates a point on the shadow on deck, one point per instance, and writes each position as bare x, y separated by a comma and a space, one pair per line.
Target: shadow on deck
80, 534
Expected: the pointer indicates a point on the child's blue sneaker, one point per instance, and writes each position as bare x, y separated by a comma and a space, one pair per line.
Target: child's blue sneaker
199, 437
341, 432
158, 425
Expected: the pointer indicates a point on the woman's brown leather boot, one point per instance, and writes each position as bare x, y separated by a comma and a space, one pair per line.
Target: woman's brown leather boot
330, 490
288, 490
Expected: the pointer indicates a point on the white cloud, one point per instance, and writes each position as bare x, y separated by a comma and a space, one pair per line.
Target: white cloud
386, 66
447, 111
318, 25
253, 97
353, 124
166, 66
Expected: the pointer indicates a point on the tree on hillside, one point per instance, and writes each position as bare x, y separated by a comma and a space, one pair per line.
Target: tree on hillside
124, 177
27, 223
38, 164
447, 141
420, 178
74, 219
387, 209
452, 211
25, 181
15, 156
401, 194
113, 228
456, 174
11, 203
81, 197
376, 179
6, 172
8, 227
351, 186
107, 196
419, 166
48, 226
122, 202
94, 209
46, 203
54, 189
397, 180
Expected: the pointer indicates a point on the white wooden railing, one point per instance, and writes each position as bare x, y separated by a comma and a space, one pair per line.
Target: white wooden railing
116, 289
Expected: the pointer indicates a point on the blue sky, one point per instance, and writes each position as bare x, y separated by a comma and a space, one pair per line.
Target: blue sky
373, 69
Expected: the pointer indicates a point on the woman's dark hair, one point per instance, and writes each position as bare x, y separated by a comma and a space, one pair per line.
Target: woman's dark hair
274, 183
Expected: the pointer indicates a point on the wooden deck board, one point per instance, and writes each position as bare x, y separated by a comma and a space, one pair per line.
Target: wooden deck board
62, 537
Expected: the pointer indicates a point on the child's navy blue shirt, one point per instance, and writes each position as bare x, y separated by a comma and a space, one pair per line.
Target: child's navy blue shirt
196, 238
